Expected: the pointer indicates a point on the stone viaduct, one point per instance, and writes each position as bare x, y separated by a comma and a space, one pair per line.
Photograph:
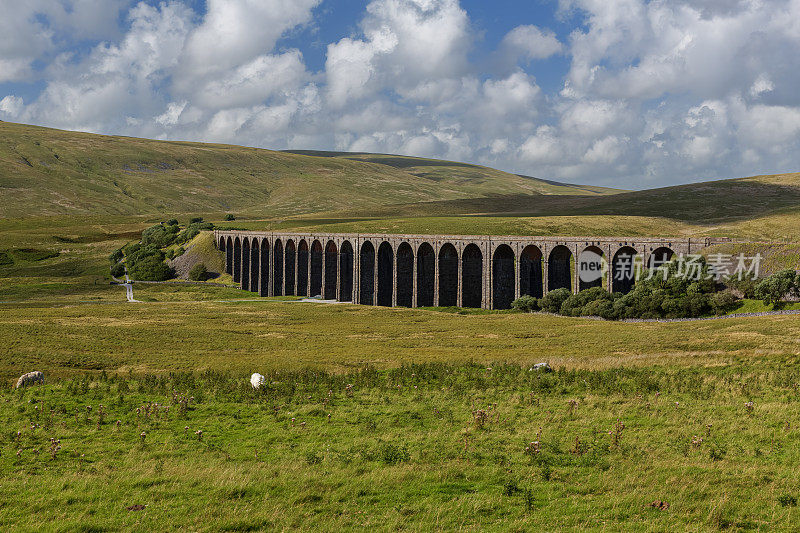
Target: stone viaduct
429, 270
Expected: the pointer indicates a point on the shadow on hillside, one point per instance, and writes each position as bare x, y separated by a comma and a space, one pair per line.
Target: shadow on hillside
703, 203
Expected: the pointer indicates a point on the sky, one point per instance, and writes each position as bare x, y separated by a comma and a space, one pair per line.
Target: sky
624, 93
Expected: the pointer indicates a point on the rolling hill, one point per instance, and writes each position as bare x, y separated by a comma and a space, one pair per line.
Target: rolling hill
53, 172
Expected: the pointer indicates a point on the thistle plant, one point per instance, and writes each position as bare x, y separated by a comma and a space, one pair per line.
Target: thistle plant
616, 433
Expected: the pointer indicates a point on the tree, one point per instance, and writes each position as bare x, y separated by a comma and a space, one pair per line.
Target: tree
199, 272
774, 288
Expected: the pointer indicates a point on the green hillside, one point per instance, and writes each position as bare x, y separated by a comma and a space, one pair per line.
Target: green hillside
52, 172
452, 176
753, 208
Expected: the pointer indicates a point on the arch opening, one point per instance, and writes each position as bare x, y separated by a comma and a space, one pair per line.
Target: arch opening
255, 266
331, 256
229, 257
385, 274
448, 276
426, 275
530, 272
289, 268
367, 274
246, 264
237, 260
263, 286
559, 271
405, 275
316, 268
623, 270
660, 256
302, 268
346, 272
277, 276
590, 268
503, 277
471, 276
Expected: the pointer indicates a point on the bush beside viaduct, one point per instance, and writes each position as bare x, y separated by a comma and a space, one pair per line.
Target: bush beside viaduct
430, 270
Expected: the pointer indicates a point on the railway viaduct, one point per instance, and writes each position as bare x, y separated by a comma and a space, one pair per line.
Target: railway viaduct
430, 270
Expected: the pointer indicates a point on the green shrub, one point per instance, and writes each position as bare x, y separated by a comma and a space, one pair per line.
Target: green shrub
229, 217
6, 259
159, 235
526, 304
146, 263
746, 286
116, 256
179, 251
118, 270
553, 300
722, 302
194, 220
773, 289
199, 272
172, 222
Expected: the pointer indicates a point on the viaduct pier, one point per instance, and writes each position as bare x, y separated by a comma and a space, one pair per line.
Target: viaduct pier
431, 270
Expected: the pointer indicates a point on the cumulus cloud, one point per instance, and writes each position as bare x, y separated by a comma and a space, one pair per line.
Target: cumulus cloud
653, 92
529, 42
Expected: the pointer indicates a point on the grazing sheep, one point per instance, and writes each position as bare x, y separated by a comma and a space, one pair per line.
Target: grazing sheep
256, 380
29, 379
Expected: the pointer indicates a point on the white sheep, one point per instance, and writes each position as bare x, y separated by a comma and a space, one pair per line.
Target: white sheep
256, 380
29, 379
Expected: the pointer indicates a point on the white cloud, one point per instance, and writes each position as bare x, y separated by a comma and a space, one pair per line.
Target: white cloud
654, 92
10, 106
529, 42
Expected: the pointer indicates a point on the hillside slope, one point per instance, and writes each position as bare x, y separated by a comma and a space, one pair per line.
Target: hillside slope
455, 175
52, 172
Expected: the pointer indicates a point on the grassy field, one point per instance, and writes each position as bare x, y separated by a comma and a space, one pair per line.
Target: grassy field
372, 418
429, 446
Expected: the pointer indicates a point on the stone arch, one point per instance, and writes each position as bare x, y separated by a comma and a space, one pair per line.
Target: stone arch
503, 277
229, 256
530, 272
367, 274
471, 276
559, 269
660, 256
448, 276
263, 285
302, 268
277, 276
385, 274
623, 270
289, 272
255, 265
331, 257
316, 268
405, 275
598, 282
246, 264
426, 275
237, 260
346, 272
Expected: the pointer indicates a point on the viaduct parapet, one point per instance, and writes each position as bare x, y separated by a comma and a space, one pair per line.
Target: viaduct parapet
431, 270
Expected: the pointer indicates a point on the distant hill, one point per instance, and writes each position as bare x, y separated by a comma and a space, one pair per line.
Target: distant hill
455, 174
53, 172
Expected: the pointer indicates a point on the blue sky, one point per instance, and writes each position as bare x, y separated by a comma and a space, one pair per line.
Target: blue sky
626, 93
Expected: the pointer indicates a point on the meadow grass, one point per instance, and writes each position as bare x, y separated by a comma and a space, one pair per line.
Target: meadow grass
264, 334
420, 447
